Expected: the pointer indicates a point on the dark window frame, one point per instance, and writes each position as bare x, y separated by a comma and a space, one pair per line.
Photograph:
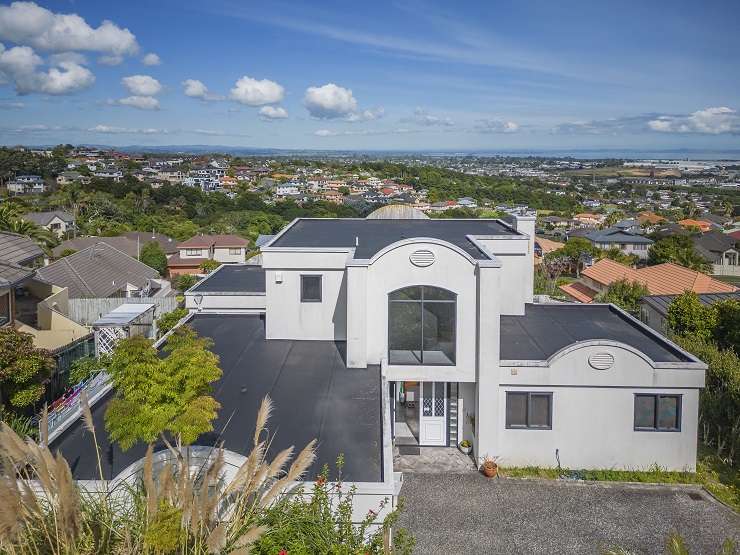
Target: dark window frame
321, 288
656, 400
529, 395
421, 302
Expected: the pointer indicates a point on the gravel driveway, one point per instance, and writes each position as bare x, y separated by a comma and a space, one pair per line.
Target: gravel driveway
466, 513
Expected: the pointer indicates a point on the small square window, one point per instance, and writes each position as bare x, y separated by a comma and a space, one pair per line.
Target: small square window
311, 289
657, 413
529, 410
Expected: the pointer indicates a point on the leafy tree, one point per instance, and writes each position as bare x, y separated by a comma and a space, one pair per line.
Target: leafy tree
23, 368
66, 252
153, 256
160, 396
168, 320
678, 249
687, 316
625, 294
209, 265
727, 330
618, 256
613, 217
183, 282
576, 250
84, 367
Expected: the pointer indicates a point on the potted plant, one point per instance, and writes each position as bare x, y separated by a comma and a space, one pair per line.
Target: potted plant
465, 446
489, 466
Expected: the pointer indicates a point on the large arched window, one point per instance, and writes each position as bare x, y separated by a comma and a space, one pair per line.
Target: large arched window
421, 326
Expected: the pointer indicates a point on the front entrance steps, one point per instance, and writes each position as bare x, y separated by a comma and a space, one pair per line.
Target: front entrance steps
432, 460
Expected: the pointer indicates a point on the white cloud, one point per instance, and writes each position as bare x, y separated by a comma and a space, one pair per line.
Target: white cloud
362, 132
142, 85
74, 57
112, 130
27, 23
252, 92
20, 65
713, 121
110, 60
151, 59
422, 117
329, 101
496, 126
197, 89
366, 115
273, 112
140, 102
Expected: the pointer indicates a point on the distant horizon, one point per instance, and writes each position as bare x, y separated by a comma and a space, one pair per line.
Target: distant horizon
701, 154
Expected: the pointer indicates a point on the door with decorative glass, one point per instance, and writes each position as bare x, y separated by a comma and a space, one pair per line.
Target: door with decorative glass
433, 414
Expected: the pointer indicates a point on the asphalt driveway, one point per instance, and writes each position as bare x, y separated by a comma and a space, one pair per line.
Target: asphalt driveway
466, 513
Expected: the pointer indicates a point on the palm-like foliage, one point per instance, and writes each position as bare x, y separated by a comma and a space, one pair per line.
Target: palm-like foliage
11, 221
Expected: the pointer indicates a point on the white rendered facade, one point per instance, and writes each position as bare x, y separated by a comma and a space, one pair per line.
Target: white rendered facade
592, 411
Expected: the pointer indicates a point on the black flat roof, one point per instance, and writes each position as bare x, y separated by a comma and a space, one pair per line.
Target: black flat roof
314, 395
546, 328
374, 235
233, 278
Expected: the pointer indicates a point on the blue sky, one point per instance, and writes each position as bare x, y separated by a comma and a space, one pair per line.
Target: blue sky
372, 75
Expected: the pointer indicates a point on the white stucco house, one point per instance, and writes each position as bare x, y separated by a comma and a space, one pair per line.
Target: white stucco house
370, 333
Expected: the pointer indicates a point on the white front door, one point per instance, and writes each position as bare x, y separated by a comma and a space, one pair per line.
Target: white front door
433, 413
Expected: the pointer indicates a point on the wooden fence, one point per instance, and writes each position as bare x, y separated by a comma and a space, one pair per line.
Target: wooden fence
86, 311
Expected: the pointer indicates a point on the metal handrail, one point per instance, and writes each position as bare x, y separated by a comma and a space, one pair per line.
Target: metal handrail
69, 406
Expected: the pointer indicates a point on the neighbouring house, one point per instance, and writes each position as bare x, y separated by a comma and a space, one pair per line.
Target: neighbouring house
717, 221
130, 242
721, 250
649, 219
102, 271
20, 250
589, 220
628, 242
227, 249
65, 178
379, 336
698, 224
26, 184
662, 279
542, 246
555, 221
58, 222
654, 308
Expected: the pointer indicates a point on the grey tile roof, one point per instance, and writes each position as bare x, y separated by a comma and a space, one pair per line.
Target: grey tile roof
616, 235
18, 249
45, 218
662, 302
11, 274
546, 328
714, 241
126, 243
97, 271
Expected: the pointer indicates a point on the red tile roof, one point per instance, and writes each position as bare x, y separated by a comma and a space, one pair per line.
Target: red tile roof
579, 291
663, 279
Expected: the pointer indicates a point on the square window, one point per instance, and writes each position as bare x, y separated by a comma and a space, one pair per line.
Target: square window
658, 413
311, 289
529, 410
235, 252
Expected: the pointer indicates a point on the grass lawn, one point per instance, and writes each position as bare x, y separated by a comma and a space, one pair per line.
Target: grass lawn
720, 479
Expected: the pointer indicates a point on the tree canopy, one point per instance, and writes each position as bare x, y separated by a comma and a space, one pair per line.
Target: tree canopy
153, 256
23, 369
162, 395
678, 249
625, 294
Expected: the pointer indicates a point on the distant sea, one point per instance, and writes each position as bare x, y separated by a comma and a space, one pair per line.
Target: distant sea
583, 154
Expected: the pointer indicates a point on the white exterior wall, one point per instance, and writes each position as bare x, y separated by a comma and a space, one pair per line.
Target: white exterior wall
452, 271
593, 413
289, 318
221, 254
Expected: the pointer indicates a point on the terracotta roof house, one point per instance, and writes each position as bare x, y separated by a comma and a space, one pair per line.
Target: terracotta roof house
586, 218
650, 218
227, 249
662, 279
542, 246
702, 225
